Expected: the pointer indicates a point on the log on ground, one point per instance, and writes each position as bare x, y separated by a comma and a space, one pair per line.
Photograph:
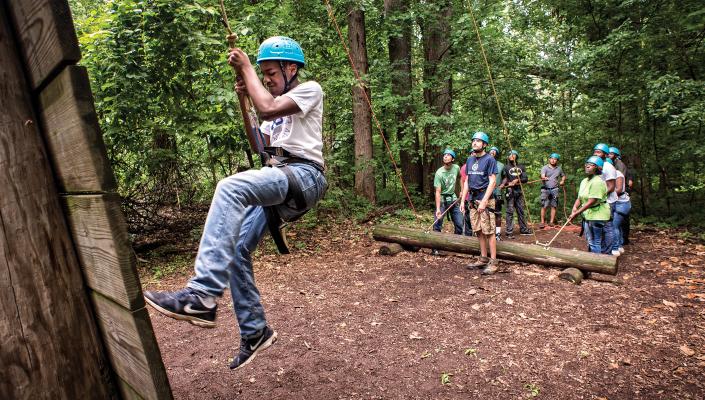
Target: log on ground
390, 249
572, 275
529, 253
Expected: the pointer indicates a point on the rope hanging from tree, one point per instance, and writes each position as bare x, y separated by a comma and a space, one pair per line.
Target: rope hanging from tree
499, 109
369, 103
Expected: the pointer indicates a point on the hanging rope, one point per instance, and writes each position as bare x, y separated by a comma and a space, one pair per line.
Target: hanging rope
499, 109
369, 103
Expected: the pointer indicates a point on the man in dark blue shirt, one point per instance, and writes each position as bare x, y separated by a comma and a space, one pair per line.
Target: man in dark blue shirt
481, 169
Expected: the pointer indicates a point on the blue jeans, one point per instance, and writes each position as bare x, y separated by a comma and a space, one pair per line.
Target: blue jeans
608, 236
455, 215
235, 225
620, 212
594, 232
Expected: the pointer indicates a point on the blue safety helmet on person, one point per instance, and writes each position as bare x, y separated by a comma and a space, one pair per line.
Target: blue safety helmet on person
451, 152
598, 161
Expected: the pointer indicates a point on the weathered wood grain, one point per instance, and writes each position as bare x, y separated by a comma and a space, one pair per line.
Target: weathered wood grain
50, 346
47, 37
552, 257
73, 135
104, 249
132, 348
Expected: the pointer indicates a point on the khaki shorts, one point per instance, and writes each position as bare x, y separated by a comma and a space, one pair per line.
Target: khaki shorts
484, 222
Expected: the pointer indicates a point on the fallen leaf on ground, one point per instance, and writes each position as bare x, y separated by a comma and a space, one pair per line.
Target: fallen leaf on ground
509, 300
669, 304
415, 335
475, 307
687, 351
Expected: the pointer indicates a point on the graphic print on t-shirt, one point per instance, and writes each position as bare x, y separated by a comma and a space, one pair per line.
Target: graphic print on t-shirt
280, 129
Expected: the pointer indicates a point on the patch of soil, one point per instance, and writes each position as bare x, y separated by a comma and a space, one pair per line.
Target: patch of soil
356, 325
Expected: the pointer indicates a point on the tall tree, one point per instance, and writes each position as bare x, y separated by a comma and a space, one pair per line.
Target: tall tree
399, 25
364, 171
435, 28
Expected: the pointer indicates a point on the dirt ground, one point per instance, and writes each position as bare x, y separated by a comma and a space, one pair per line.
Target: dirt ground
356, 325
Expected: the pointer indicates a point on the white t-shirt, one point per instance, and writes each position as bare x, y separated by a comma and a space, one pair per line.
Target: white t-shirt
624, 197
300, 133
609, 173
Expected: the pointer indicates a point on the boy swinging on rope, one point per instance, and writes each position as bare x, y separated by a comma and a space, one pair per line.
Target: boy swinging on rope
481, 169
236, 220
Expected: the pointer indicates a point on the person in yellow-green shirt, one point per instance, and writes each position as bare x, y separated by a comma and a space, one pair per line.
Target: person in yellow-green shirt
592, 204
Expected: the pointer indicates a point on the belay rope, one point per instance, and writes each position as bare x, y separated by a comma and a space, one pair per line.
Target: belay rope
369, 103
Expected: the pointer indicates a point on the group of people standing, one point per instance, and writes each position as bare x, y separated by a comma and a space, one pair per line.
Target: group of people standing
487, 184
604, 202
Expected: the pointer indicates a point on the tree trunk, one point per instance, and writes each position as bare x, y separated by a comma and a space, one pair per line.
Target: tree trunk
435, 29
552, 257
400, 71
364, 172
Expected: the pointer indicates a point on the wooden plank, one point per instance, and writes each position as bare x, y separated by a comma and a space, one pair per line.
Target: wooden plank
47, 37
108, 261
132, 348
73, 135
552, 257
54, 350
127, 392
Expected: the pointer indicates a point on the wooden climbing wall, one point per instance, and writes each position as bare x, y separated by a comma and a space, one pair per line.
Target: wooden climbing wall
73, 322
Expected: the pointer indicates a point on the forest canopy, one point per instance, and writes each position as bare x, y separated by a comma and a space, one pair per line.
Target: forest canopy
568, 74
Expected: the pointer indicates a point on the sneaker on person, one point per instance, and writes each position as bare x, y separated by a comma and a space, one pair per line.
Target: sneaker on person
542, 225
498, 236
435, 252
510, 236
250, 347
526, 233
491, 268
616, 253
187, 305
481, 262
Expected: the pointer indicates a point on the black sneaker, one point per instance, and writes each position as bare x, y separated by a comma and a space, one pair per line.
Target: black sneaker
510, 236
186, 305
250, 347
526, 233
498, 237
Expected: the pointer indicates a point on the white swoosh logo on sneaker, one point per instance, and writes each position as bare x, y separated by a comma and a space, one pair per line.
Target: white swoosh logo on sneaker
189, 310
254, 346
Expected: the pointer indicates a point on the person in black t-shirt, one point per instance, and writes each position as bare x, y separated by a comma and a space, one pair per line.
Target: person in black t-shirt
515, 198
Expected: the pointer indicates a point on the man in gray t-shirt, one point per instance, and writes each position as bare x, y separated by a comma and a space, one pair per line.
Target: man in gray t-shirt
552, 176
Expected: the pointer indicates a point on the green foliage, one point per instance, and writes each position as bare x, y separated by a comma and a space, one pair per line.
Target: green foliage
567, 75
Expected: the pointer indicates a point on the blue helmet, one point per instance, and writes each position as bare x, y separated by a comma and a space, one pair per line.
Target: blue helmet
482, 136
609, 160
516, 153
495, 149
451, 152
281, 48
598, 161
555, 155
602, 147
615, 151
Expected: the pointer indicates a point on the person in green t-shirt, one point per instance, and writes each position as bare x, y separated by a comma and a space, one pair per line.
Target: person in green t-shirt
444, 182
592, 204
